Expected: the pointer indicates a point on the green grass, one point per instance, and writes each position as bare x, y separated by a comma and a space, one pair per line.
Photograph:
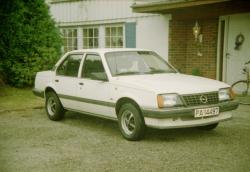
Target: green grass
29, 141
18, 99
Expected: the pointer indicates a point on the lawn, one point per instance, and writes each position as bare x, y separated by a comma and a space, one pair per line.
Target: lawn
31, 142
18, 99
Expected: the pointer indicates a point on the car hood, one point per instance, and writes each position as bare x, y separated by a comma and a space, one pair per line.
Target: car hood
170, 83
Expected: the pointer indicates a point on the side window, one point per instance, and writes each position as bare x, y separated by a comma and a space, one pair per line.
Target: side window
70, 66
93, 68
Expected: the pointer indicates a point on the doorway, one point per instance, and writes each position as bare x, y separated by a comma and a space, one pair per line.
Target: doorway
231, 56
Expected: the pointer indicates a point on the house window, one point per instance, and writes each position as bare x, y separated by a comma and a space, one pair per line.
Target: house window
69, 39
114, 37
90, 38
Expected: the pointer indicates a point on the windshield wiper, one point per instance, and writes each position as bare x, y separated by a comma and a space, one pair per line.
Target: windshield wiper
157, 71
128, 73
153, 71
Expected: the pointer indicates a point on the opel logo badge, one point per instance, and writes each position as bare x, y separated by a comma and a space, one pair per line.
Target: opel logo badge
203, 99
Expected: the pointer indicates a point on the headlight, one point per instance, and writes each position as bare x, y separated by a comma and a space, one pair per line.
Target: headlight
225, 94
168, 100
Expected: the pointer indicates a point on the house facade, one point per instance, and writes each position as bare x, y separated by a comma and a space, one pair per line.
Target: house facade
200, 37
109, 24
208, 38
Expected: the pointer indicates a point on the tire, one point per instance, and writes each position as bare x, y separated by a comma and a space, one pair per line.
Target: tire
54, 107
130, 122
240, 88
209, 127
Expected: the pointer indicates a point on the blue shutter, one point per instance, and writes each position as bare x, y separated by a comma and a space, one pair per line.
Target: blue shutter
130, 34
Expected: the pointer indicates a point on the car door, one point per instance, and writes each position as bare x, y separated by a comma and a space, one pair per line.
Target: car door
66, 79
94, 89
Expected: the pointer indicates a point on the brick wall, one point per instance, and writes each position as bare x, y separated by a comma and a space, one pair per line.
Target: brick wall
183, 49
178, 44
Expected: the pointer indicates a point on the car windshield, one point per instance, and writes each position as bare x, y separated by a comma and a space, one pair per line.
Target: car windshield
136, 63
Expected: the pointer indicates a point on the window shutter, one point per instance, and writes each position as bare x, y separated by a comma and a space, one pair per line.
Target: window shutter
130, 35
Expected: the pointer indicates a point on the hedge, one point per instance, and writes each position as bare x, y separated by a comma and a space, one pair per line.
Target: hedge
30, 41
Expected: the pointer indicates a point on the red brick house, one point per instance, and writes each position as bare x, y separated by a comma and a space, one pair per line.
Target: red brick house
222, 44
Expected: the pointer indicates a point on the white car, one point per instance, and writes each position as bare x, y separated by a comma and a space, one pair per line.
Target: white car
136, 87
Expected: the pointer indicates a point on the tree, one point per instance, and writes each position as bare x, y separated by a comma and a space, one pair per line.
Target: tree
29, 40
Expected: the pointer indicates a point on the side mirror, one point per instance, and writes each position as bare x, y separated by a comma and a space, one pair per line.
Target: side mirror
101, 76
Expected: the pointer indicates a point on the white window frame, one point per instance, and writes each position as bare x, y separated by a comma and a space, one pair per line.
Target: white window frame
98, 36
73, 38
123, 35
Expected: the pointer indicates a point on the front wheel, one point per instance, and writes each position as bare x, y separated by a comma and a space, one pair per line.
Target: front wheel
54, 107
131, 123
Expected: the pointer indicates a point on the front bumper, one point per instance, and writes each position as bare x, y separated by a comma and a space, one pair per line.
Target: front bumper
181, 117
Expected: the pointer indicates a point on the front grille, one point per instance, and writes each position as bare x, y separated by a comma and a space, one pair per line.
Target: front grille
199, 99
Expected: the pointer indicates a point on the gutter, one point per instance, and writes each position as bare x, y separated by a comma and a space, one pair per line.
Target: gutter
168, 6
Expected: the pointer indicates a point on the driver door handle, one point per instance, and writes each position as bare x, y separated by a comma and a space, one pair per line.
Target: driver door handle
56, 80
80, 83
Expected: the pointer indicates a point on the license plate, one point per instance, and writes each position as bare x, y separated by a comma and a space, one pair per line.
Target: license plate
206, 112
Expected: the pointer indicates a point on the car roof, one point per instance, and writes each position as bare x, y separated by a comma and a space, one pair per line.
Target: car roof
105, 50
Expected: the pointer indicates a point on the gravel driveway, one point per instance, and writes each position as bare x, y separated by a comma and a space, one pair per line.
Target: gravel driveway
31, 142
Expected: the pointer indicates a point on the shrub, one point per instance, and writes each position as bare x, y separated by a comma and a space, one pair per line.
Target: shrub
30, 41
196, 72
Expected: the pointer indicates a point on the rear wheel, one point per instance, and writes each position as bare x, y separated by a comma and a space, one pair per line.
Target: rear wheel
131, 123
209, 127
54, 107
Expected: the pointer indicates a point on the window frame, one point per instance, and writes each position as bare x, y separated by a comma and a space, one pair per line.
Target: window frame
83, 62
73, 38
123, 35
64, 59
98, 37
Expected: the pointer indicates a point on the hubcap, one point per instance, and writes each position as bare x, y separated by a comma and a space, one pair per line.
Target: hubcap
128, 122
51, 106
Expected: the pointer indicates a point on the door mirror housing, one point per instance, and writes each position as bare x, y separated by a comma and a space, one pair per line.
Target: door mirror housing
101, 76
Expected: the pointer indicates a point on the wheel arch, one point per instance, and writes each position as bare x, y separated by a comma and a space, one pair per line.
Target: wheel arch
48, 89
51, 89
124, 100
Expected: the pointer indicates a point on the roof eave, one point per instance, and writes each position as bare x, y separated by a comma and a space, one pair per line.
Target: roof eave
166, 7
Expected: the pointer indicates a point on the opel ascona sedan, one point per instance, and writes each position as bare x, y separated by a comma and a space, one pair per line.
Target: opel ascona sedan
136, 87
